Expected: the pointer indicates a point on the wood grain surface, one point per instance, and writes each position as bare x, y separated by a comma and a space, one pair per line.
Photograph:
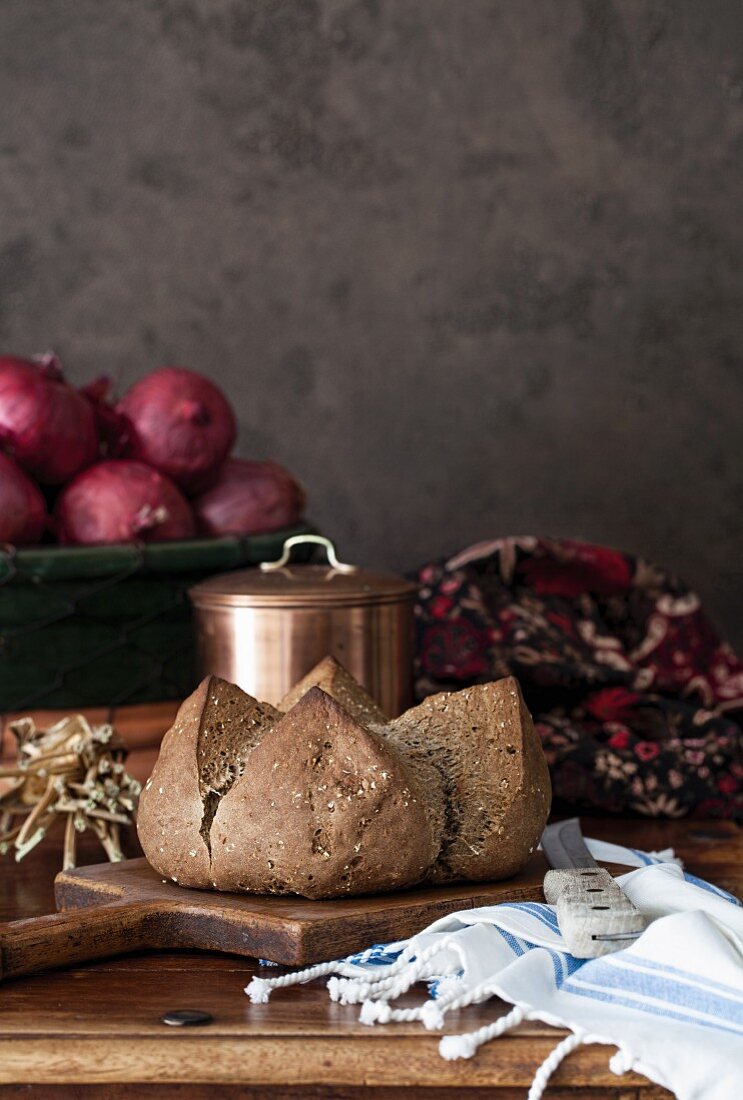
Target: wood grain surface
95, 1031
110, 909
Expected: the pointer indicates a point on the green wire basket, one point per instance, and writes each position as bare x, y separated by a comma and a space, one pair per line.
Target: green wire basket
105, 626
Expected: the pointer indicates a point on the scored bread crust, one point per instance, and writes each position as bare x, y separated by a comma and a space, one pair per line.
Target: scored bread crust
326, 808
456, 788
339, 684
494, 776
330, 675
231, 726
201, 755
170, 806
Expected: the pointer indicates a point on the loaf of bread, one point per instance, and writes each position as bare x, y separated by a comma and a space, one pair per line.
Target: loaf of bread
326, 797
327, 808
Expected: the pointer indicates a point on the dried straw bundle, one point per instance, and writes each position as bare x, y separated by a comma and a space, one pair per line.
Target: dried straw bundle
71, 770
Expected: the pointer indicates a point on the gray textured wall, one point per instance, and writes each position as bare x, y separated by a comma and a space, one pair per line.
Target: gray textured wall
469, 267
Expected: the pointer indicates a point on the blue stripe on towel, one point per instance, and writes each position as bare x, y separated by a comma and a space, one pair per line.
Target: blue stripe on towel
541, 912
558, 966
563, 964
518, 946
623, 983
698, 979
712, 889
647, 860
652, 1010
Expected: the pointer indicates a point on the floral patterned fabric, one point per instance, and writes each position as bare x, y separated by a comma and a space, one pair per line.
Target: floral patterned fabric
638, 702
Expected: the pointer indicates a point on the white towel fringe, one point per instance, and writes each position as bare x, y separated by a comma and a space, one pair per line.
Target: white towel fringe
355, 991
551, 1062
381, 1012
621, 1062
348, 988
433, 1012
392, 981
260, 989
430, 1013
352, 991
349, 972
465, 1045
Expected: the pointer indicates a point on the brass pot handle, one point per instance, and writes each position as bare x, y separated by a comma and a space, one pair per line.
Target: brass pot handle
300, 540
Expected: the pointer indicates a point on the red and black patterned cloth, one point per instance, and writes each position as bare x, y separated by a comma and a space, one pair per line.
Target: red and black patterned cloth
638, 702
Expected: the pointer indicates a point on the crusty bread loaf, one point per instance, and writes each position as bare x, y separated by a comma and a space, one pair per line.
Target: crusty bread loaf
325, 808
330, 798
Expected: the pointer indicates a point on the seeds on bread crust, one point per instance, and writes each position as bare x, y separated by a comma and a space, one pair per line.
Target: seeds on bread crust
339, 684
342, 814
332, 799
494, 776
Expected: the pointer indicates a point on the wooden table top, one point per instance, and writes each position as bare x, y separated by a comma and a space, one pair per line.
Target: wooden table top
95, 1030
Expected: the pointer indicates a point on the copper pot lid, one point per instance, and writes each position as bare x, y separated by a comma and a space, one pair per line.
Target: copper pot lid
283, 584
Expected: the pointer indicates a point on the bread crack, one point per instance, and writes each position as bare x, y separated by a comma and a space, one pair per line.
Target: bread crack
329, 798
232, 724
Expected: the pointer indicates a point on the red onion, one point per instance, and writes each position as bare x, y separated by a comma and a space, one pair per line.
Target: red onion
121, 501
22, 507
249, 498
180, 423
46, 425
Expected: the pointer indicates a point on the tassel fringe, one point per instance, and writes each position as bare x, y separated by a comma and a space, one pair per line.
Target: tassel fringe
466, 1045
621, 1062
390, 982
550, 1064
347, 988
260, 989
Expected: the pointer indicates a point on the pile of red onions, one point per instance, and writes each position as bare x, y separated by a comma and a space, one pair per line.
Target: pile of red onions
122, 472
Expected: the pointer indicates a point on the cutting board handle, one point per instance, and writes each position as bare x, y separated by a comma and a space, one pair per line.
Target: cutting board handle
76, 935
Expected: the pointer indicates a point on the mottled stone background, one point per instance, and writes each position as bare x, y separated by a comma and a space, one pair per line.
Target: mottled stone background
469, 267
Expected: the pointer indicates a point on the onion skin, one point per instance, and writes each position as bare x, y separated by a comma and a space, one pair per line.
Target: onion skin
118, 501
180, 423
249, 498
23, 517
112, 425
46, 425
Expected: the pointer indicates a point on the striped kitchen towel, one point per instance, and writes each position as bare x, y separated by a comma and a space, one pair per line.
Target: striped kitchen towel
671, 1002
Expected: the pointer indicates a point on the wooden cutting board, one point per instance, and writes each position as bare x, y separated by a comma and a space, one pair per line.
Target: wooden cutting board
113, 908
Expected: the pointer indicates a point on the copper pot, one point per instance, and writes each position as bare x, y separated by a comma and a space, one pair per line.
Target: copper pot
265, 628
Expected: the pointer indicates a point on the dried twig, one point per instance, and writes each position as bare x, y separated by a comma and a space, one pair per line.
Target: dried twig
68, 855
73, 772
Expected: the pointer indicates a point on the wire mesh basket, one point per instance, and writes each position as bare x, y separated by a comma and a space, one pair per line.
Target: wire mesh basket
110, 625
